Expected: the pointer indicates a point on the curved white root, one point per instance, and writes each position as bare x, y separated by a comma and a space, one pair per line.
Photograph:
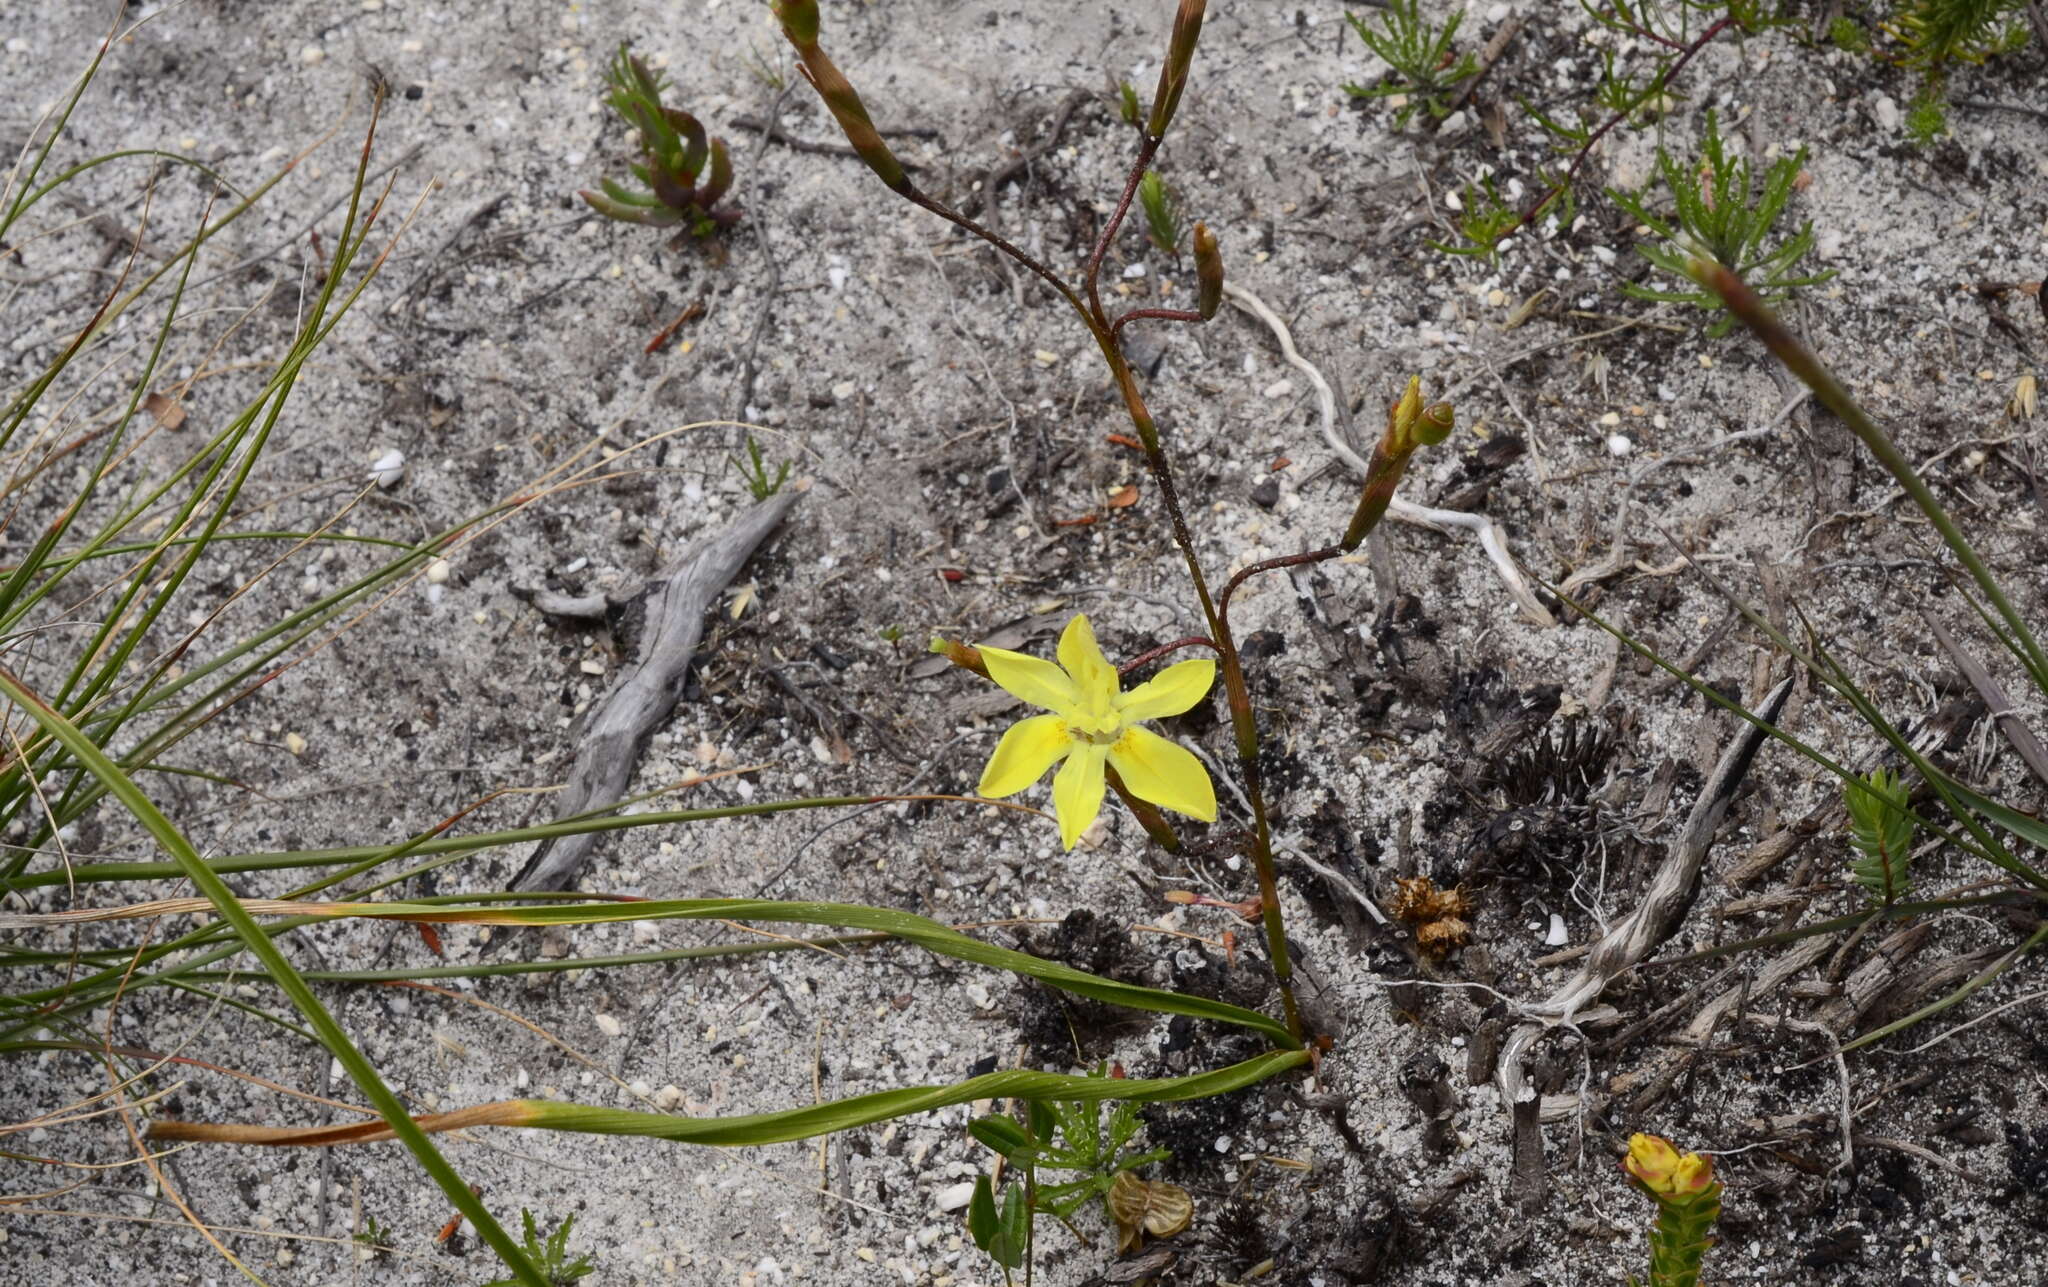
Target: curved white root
1491, 538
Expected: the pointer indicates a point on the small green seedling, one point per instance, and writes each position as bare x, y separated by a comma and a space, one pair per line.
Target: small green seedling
1425, 70
1487, 217
1714, 218
1162, 213
1938, 33
754, 469
552, 1256
1070, 1135
1881, 832
1128, 107
675, 153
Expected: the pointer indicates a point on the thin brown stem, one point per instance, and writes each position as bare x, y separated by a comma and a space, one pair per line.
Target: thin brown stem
959, 220
1157, 314
1154, 654
1272, 565
1656, 86
1093, 276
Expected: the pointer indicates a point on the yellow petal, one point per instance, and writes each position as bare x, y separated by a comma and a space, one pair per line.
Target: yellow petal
1033, 680
1171, 691
1028, 749
1077, 791
1168, 775
1094, 678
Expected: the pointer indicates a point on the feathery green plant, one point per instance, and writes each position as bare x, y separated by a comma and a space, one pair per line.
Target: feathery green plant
1162, 213
1425, 71
1881, 830
552, 1256
1716, 216
675, 153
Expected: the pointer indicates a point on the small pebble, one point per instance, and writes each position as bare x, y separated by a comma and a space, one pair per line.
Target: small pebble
1620, 444
388, 468
294, 743
1557, 936
312, 54
608, 1025
1279, 389
438, 571
955, 1197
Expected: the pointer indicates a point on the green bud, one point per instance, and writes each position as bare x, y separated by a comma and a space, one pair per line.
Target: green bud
1173, 73
1208, 272
1438, 419
1401, 417
852, 115
799, 19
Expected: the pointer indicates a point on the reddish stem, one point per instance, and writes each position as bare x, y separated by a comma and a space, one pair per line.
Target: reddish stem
1664, 79
1146, 658
1160, 314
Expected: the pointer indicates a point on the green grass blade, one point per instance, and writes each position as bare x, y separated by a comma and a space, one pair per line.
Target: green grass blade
259, 944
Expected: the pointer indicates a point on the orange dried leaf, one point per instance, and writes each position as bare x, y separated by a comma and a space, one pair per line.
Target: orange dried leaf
169, 413
1124, 497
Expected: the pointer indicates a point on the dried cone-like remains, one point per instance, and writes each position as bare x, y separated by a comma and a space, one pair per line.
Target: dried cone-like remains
1140, 1207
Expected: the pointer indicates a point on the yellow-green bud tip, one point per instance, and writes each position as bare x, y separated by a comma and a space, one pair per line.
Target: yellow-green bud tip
1436, 423
799, 19
1208, 272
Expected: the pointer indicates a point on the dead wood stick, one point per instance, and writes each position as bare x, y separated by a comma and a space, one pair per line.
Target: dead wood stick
1995, 701
1490, 55
1664, 906
648, 686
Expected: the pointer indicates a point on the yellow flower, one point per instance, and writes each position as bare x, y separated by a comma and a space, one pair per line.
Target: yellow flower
1093, 725
1664, 1171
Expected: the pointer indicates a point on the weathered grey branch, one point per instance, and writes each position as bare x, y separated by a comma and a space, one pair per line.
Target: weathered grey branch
618, 727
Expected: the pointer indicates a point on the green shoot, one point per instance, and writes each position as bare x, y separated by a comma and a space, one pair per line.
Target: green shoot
1425, 70
552, 1256
754, 469
1004, 1234
1127, 105
1881, 830
674, 153
1936, 33
1927, 120
1847, 35
1162, 213
1486, 217
1716, 217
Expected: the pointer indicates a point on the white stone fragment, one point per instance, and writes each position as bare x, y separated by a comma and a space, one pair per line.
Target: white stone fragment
955, 1197
1557, 936
388, 468
608, 1025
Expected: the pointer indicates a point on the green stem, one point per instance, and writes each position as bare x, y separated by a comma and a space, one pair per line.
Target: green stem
1744, 303
259, 944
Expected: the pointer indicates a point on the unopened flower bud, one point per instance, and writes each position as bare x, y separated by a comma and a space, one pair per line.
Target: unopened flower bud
800, 23
1208, 272
799, 19
1435, 423
1664, 1171
1173, 73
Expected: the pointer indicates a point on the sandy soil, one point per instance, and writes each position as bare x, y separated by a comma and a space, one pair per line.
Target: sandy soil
952, 422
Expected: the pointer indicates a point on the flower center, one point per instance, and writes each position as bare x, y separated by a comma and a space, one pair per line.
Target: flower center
1102, 730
